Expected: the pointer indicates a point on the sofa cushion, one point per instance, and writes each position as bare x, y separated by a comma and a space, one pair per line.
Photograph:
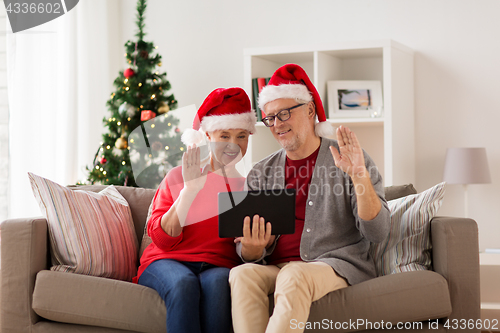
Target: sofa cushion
405, 297
89, 300
90, 233
408, 245
138, 199
399, 191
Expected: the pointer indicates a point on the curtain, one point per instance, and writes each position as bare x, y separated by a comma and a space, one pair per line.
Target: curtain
60, 76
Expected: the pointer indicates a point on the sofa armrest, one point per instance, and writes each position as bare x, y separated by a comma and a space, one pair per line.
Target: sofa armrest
455, 255
24, 253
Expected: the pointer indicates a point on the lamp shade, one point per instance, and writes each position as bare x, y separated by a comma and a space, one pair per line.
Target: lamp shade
466, 166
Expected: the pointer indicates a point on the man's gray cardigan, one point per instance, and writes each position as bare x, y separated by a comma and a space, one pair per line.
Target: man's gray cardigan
333, 232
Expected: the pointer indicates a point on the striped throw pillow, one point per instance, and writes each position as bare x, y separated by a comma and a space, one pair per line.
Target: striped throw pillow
90, 233
408, 245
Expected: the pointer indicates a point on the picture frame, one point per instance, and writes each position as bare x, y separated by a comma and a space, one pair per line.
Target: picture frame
354, 99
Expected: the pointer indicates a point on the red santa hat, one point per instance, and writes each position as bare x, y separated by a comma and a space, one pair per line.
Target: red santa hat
224, 108
291, 81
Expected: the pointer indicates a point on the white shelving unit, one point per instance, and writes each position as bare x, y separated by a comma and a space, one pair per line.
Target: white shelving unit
390, 140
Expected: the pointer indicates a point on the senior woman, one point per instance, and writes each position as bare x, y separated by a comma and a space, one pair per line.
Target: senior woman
187, 263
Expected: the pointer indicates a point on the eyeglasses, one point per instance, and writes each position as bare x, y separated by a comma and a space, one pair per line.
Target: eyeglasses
283, 115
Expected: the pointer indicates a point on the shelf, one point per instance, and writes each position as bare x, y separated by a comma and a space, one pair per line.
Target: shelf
489, 259
358, 121
490, 306
389, 140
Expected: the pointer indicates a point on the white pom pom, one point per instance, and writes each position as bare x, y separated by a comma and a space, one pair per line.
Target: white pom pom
324, 129
192, 137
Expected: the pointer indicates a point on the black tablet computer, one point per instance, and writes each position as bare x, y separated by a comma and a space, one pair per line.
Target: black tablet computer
276, 206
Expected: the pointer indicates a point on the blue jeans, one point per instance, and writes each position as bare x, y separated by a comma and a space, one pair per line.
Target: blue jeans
196, 294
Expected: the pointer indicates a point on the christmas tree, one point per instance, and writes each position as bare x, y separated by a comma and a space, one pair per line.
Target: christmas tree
140, 105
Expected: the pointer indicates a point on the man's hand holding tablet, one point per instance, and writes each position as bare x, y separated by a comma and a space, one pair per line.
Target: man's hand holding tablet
255, 239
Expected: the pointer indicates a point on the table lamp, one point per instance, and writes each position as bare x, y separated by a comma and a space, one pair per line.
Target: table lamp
466, 166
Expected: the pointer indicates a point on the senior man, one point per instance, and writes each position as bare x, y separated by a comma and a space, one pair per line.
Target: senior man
340, 208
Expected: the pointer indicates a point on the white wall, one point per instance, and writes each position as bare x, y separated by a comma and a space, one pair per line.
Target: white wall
457, 75
4, 120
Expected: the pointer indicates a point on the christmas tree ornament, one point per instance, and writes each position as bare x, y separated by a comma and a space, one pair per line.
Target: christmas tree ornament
177, 130
127, 109
121, 143
128, 73
156, 146
117, 152
103, 160
164, 108
159, 64
147, 115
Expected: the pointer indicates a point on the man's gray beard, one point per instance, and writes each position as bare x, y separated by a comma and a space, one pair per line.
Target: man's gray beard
291, 145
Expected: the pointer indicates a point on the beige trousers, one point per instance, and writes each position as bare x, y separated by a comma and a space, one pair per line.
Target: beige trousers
295, 285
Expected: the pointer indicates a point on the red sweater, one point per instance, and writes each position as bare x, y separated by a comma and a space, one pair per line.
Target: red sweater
298, 174
199, 239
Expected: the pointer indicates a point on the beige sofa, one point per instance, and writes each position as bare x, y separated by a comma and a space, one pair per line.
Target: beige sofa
35, 299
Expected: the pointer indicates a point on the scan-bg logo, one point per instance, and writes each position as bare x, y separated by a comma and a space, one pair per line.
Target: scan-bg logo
26, 14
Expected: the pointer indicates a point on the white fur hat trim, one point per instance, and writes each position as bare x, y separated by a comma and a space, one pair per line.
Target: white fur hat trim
324, 129
244, 121
192, 137
295, 91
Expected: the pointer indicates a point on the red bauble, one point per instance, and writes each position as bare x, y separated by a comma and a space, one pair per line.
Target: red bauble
128, 73
103, 160
147, 115
177, 130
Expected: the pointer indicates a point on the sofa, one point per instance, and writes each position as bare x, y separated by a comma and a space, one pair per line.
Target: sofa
36, 299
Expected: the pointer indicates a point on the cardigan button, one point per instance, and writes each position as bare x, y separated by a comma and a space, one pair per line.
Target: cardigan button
308, 229
310, 203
